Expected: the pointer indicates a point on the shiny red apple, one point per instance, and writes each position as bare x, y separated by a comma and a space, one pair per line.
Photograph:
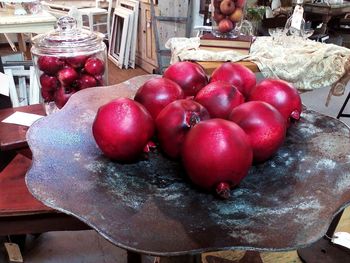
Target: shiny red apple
62, 95
77, 61
225, 25
67, 76
86, 81
94, 66
49, 64
227, 7
49, 84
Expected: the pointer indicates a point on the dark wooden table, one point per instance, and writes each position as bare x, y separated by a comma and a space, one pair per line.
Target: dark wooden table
327, 12
13, 136
20, 212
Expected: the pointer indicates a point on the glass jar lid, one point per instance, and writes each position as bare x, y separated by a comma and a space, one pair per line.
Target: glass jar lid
67, 38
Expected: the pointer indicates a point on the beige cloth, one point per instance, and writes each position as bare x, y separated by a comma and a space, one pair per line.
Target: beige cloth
306, 64
188, 49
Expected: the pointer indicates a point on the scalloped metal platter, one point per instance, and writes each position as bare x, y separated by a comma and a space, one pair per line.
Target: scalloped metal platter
150, 206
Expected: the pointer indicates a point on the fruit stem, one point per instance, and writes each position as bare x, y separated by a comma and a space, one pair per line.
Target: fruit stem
295, 115
149, 147
191, 119
223, 190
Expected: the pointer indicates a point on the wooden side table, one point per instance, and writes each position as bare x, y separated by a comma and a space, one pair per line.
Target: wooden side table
20, 212
327, 11
38, 23
210, 66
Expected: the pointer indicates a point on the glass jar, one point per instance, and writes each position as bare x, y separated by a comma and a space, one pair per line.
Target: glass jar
226, 15
67, 60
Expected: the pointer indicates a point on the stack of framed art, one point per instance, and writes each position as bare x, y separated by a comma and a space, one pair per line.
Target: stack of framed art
122, 43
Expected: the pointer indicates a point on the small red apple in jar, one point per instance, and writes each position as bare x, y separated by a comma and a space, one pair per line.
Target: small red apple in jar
218, 16
240, 3
62, 95
86, 81
225, 25
49, 85
77, 62
49, 64
94, 66
227, 7
67, 76
236, 15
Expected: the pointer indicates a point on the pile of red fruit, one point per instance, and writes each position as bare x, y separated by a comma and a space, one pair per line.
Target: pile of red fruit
227, 13
61, 77
217, 129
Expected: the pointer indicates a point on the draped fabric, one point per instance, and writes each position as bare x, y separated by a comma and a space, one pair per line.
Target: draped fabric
306, 64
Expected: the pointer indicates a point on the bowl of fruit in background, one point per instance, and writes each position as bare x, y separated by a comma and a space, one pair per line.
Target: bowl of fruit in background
226, 15
66, 60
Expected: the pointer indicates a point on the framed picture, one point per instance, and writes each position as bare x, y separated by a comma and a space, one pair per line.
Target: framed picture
132, 5
118, 45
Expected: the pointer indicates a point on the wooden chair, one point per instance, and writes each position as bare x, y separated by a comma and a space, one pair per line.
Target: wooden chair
24, 88
95, 13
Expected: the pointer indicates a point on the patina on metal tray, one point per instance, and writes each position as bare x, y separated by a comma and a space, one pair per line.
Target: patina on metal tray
151, 207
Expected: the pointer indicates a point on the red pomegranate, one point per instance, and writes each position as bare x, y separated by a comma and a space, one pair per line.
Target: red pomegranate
217, 155
236, 74
219, 98
190, 76
175, 121
264, 125
156, 93
280, 94
122, 128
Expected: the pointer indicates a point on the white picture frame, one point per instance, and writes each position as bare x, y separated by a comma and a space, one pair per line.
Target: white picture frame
119, 35
132, 5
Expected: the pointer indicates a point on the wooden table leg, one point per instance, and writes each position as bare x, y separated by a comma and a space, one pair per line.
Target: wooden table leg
133, 257
22, 46
249, 257
179, 259
325, 20
324, 251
